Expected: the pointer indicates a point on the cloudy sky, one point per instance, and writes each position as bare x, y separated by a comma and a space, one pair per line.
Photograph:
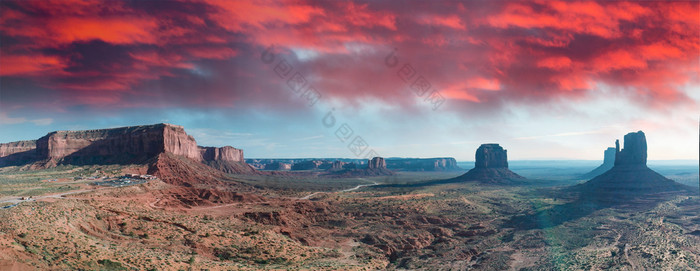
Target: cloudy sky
545, 79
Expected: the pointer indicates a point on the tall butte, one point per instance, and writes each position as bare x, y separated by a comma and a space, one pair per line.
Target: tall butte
491, 167
629, 177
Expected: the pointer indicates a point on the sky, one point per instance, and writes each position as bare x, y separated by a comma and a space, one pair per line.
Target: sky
279, 79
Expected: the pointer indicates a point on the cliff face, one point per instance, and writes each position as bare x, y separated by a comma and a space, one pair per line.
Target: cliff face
119, 145
177, 142
17, 147
226, 153
17, 153
634, 152
491, 156
377, 162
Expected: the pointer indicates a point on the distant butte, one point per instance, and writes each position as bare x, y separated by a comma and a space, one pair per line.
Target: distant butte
375, 167
376, 163
491, 167
629, 177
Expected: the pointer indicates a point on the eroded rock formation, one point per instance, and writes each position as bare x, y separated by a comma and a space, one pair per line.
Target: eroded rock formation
491, 167
635, 150
125, 145
17, 153
337, 165
608, 163
629, 178
491, 156
7, 149
376, 163
226, 153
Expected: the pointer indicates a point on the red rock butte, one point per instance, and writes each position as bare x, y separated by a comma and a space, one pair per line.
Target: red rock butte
629, 178
491, 167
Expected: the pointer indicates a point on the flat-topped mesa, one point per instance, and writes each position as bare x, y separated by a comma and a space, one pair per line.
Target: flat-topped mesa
131, 144
226, 153
123, 145
491, 156
377, 162
17, 147
634, 152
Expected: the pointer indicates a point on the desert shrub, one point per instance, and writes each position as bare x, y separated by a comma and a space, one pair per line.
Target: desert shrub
223, 254
110, 265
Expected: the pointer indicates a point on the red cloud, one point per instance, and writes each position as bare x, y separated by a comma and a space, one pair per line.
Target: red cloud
23, 65
473, 52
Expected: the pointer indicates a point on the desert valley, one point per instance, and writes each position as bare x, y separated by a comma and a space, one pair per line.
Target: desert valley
149, 198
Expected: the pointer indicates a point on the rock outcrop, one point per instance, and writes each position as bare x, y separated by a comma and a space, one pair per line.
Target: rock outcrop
7, 149
226, 153
422, 164
491, 167
634, 152
227, 159
608, 163
17, 153
338, 165
629, 178
376, 163
124, 145
491, 156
